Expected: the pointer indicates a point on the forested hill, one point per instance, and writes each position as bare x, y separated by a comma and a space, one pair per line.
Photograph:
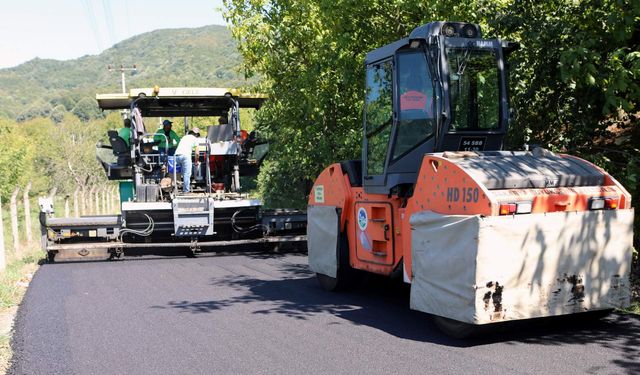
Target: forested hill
205, 56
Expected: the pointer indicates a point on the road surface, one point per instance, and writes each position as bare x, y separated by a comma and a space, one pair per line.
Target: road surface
259, 314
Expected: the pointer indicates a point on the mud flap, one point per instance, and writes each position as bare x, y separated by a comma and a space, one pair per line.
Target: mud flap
322, 239
482, 270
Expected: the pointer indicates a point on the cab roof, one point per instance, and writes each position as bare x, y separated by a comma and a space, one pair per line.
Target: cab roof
444, 28
180, 101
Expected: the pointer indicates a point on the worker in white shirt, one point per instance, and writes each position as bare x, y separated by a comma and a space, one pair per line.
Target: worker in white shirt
183, 156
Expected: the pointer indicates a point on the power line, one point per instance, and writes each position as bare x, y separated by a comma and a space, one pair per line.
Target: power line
108, 16
126, 13
92, 22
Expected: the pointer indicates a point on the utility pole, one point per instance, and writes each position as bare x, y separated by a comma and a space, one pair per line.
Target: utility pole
122, 70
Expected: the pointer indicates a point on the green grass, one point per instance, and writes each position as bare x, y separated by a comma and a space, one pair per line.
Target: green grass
5, 353
10, 292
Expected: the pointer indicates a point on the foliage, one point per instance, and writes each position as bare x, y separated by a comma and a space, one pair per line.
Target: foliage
17, 158
86, 109
58, 122
52, 154
574, 83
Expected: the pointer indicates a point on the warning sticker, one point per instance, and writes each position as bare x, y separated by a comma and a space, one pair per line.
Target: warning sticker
318, 194
363, 220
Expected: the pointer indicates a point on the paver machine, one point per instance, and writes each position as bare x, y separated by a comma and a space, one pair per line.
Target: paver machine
482, 235
155, 212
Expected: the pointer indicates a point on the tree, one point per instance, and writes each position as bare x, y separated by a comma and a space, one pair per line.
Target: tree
87, 109
572, 83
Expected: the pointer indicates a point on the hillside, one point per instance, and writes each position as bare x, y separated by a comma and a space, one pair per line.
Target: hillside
205, 56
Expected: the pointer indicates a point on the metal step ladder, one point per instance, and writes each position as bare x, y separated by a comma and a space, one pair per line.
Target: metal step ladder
193, 216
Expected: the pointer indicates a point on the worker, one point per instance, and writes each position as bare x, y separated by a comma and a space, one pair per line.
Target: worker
125, 132
171, 137
183, 156
222, 120
415, 92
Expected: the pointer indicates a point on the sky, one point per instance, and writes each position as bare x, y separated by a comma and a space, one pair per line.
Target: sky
68, 29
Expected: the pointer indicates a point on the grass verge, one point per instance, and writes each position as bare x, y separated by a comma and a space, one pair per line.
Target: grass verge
635, 308
13, 285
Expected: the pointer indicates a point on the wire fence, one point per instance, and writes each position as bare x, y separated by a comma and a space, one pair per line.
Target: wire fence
20, 226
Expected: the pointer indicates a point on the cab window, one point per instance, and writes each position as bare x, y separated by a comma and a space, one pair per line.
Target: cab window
378, 115
416, 120
475, 89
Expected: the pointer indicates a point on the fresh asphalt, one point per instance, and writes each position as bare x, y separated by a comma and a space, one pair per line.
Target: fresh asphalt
266, 314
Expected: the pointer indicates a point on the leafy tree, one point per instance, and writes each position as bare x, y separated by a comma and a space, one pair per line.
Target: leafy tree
574, 85
58, 113
87, 109
37, 109
67, 102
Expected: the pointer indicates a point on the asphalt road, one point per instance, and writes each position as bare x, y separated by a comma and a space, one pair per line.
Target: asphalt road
255, 314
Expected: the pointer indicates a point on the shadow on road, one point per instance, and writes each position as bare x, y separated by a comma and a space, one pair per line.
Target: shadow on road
382, 305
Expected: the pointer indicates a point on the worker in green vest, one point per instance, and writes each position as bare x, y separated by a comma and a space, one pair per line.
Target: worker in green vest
125, 132
171, 137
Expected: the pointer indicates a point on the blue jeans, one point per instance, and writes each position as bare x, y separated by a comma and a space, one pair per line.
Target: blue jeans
184, 162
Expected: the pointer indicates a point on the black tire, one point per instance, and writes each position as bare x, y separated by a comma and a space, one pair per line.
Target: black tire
591, 316
345, 275
455, 328
116, 256
328, 283
51, 257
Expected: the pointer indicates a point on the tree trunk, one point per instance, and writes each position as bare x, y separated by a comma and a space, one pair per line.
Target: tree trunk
27, 212
3, 257
76, 207
14, 220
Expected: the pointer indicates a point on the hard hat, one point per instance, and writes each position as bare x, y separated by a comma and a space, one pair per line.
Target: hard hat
196, 130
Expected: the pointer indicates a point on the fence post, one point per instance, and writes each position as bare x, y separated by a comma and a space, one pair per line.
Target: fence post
109, 201
112, 200
104, 201
83, 201
66, 205
75, 203
97, 201
3, 258
115, 201
27, 212
52, 196
90, 200
14, 220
